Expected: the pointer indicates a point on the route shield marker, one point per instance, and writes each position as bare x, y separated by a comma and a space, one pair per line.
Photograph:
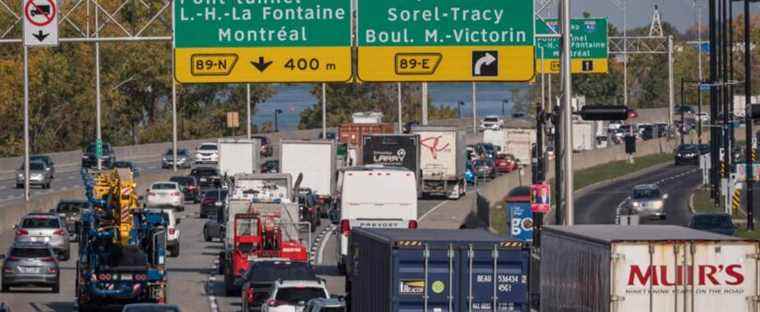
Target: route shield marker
40, 22
446, 40
220, 41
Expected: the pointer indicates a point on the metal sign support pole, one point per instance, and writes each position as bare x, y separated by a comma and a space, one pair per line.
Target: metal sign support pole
27, 191
248, 108
98, 133
625, 53
400, 109
324, 111
748, 117
174, 118
474, 109
424, 103
567, 114
671, 95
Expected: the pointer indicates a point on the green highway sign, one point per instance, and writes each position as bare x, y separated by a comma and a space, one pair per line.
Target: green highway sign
589, 46
227, 41
445, 40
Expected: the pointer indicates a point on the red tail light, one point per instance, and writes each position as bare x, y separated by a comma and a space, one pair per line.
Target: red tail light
12, 258
412, 224
249, 295
59, 232
345, 227
21, 232
104, 277
48, 259
171, 231
52, 270
175, 194
273, 303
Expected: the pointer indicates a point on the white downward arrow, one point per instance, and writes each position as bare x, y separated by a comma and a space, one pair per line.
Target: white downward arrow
487, 60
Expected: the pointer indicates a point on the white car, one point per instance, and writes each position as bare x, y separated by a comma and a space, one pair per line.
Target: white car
165, 194
207, 153
491, 122
172, 231
374, 197
292, 296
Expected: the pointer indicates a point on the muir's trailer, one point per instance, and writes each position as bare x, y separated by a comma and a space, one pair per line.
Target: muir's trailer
663, 268
392, 270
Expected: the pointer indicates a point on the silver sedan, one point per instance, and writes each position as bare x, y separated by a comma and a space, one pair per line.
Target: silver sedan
648, 201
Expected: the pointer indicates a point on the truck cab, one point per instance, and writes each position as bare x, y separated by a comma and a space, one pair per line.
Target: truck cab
374, 197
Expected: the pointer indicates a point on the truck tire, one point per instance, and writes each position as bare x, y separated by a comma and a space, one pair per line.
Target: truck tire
206, 238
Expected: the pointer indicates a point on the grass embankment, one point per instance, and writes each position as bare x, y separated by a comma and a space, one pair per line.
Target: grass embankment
587, 177
704, 204
616, 169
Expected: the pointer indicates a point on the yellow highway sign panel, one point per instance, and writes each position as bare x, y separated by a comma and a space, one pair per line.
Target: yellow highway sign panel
579, 66
242, 65
446, 64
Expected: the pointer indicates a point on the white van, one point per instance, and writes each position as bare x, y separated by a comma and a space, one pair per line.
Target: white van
374, 197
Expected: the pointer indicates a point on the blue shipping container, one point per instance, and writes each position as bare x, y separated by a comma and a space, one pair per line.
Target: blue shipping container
392, 270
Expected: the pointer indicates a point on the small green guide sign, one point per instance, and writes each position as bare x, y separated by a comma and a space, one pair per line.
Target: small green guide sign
589, 46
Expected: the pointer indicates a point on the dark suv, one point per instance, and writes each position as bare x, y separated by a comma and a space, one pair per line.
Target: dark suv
212, 202
189, 186
207, 176
308, 207
69, 211
89, 159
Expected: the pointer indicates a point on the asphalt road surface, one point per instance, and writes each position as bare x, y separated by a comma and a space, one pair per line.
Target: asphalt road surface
600, 205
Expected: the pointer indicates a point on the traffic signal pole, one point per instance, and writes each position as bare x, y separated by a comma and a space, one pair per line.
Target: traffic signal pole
714, 131
567, 122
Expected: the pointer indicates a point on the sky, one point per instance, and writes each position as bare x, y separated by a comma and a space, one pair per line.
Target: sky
680, 13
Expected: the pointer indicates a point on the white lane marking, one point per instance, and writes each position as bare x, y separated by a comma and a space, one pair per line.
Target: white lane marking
323, 244
433, 209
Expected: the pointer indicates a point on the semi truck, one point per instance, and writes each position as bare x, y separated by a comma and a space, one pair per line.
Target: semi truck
122, 249
436, 270
646, 268
316, 162
238, 156
442, 161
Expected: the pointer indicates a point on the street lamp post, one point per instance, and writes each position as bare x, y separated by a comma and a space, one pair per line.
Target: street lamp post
276, 126
459, 109
503, 110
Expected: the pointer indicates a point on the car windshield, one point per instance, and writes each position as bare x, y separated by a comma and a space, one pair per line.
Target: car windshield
91, 148
707, 222
40, 223
36, 166
183, 180
215, 194
39, 158
333, 309
164, 186
151, 308
490, 119
687, 148
646, 193
208, 147
180, 152
246, 226
204, 172
30, 252
299, 294
69, 207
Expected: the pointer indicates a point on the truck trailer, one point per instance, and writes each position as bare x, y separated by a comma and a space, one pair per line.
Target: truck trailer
442, 161
238, 156
665, 268
316, 161
436, 270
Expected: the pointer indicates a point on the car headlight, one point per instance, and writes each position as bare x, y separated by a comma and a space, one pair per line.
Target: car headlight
20, 175
85, 157
636, 204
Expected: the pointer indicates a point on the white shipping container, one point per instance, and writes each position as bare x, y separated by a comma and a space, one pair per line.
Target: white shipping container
238, 156
496, 137
584, 136
442, 152
647, 268
315, 160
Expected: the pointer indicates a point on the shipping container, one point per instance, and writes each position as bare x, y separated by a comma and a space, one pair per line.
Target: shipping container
663, 268
351, 133
584, 135
316, 160
436, 270
238, 156
442, 160
392, 150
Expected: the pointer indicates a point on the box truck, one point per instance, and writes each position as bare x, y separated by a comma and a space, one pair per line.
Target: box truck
584, 135
436, 270
497, 138
520, 141
238, 156
316, 160
664, 268
392, 150
351, 133
442, 151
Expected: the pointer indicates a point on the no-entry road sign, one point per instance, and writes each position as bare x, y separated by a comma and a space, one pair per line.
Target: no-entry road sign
228, 41
40, 22
446, 40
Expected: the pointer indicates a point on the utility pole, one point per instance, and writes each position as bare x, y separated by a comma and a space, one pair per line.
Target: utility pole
567, 123
248, 108
174, 118
324, 111
700, 74
474, 109
748, 117
683, 105
400, 109
424, 103
671, 96
27, 191
714, 132
98, 134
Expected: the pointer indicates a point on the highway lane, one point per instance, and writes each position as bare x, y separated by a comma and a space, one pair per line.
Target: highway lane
599, 205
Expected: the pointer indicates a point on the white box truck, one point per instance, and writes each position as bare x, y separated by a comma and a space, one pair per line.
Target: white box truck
442, 161
664, 268
519, 143
238, 156
316, 160
497, 138
584, 136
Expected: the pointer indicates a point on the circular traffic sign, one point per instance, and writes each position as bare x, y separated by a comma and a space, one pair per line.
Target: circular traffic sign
40, 14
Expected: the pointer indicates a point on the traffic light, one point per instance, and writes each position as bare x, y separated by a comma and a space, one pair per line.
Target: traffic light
604, 112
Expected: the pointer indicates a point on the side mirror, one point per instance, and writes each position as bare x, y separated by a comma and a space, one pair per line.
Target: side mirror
665, 196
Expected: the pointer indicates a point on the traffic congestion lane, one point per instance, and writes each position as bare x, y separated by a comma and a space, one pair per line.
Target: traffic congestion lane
600, 205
